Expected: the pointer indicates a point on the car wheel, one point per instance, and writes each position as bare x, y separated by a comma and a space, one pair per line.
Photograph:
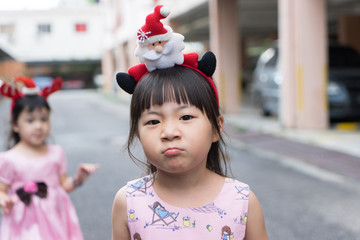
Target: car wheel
260, 103
265, 113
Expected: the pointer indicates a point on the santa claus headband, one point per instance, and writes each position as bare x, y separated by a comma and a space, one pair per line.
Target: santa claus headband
154, 32
27, 87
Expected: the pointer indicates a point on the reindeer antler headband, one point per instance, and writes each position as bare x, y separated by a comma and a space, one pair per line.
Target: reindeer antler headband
158, 48
29, 88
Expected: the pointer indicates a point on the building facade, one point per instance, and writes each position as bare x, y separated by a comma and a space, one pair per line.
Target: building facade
303, 27
52, 41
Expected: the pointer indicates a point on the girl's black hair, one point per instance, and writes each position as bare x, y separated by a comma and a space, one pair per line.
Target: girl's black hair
182, 85
29, 103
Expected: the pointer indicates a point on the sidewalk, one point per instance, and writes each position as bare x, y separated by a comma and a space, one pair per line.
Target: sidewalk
332, 150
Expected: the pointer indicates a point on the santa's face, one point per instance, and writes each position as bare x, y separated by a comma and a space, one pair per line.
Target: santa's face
157, 46
155, 50
162, 54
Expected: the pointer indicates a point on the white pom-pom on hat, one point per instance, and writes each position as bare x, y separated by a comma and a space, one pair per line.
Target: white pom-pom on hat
164, 11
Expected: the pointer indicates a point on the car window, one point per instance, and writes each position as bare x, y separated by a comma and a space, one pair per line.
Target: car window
43, 81
272, 58
343, 57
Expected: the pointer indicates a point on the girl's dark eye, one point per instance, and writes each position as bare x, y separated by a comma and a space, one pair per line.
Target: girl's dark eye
30, 120
45, 119
186, 117
153, 122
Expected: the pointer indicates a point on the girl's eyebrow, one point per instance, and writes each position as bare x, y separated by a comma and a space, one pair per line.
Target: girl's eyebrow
152, 111
148, 112
184, 106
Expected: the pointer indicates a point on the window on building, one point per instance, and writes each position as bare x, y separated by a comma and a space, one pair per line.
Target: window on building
44, 28
80, 27
7, 30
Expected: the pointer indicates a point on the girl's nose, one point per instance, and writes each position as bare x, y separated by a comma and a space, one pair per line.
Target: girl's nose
38, 124
170, 132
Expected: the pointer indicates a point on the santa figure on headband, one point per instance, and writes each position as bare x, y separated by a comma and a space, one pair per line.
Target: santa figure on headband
158, 47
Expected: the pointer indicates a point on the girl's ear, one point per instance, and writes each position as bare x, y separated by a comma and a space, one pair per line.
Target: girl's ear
15, 128
220, 122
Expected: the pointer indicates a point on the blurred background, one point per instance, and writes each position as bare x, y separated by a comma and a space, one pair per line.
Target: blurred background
288, 74
311, 46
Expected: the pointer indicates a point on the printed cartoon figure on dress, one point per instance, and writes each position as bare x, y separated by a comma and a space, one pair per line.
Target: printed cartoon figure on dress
33, 179
186, 192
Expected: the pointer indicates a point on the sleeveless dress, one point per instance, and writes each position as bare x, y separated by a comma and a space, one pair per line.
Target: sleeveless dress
151, 218
49, 218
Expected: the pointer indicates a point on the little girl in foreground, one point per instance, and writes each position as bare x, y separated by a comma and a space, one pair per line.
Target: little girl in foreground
175, 116
33, 180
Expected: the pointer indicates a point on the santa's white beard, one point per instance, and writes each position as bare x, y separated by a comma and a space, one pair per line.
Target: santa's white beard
171, 54
152, 55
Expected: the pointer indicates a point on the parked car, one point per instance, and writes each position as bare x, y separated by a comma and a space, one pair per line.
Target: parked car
343, 86
43, 81
73, 84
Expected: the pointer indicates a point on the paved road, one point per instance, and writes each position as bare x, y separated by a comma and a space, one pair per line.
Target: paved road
92, 129
297, 204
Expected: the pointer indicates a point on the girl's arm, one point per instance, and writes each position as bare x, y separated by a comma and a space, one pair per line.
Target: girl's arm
255, 226
83, 172
67, 183
6, 202
120, 230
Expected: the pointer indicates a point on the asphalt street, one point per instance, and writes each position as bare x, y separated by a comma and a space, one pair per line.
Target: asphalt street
93, 127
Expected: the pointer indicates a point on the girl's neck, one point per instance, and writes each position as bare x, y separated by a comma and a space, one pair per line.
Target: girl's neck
188, 190
30, 150
182, 180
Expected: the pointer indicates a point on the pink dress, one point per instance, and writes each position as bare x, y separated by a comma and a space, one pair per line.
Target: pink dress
50, 218
151, 218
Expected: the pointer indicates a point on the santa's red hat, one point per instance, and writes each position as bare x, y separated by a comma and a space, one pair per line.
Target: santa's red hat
153, 30
29, 85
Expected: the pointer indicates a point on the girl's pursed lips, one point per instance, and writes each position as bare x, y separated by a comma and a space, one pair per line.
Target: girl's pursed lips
172, 151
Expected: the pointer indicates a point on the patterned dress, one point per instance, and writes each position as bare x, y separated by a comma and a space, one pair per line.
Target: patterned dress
44, 218
151, 218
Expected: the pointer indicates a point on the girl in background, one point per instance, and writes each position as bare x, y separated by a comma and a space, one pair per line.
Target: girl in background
33, 180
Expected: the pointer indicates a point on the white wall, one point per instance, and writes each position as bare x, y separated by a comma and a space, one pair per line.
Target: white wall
63, 42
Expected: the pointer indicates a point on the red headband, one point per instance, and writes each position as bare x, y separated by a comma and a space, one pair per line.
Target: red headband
10, 91
210, 80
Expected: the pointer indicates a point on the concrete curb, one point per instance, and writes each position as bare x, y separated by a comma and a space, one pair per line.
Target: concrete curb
293, 163
333, 139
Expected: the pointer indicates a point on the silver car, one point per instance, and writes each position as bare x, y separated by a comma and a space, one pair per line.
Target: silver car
343, 87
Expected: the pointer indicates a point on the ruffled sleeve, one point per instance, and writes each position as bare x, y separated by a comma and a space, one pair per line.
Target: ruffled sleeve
6, 169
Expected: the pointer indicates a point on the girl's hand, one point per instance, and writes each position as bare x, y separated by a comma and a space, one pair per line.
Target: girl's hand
83, 172
7, 204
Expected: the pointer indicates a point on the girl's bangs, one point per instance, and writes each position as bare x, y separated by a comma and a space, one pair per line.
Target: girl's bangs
167, 93
182, 89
